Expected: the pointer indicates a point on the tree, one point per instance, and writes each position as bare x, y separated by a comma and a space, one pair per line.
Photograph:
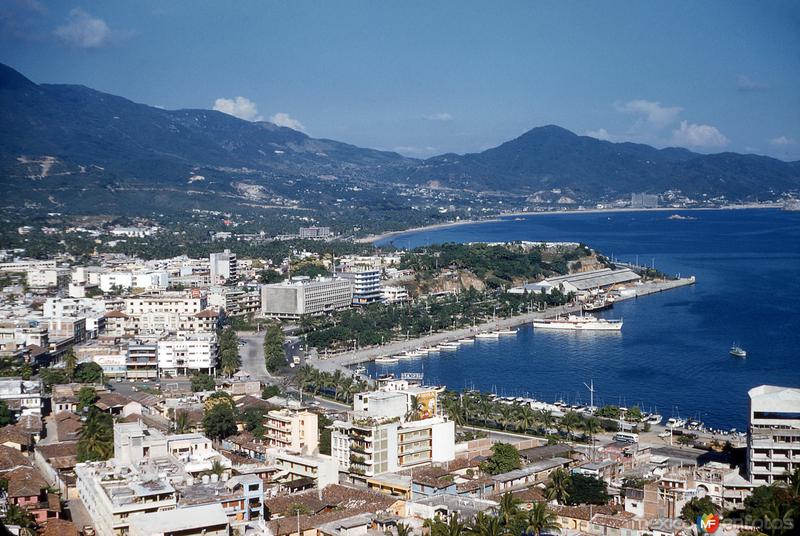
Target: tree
219, 421
86, 398
274, 353
218, 398
216, 468
696, 508
487, 525
587, 490
454, 527
16, 515
5, 414
230, 360
540, 518
97, 437
181, 422
634, 414
51, 377
269, 391
324, 424
404, 530
70, 363
504, 458
558, 486
89, 373
570, 421
253, 419
685, 440
202, 382
508, 508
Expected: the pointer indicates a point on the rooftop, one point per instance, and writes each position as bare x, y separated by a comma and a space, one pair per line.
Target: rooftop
193, 518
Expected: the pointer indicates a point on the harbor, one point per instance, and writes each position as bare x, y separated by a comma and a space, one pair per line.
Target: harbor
344, 360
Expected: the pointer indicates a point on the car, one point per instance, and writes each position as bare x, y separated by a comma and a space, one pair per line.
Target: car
665, 433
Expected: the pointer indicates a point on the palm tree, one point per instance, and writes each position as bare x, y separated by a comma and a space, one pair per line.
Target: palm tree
571, 421
487, 525
70, 363
404, 530
181, 421
216, 468
546, 419
793, 483
526, 418
540, 518
454, 527
508, 508
505, 412
342, 388
334, 381
557, 488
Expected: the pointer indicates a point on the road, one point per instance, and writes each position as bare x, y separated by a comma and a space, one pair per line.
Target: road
252, 354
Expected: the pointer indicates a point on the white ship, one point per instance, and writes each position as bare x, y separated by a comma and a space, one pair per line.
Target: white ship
506, 331
449, 346
487, 335
386, 360
579, 323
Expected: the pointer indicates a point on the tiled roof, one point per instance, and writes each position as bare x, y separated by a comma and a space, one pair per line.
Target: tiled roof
25, 482
30, 424
68, 426
208, 313
11, 458
11, 434
58, 450
59, 527
116, 314
583, 512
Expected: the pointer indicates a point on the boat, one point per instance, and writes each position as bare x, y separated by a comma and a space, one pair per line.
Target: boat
598, 303
469, 340
360, 370
487, 335
386, 360
738, 351
449, 346
506, 332
578, 323
654, 419
675, 422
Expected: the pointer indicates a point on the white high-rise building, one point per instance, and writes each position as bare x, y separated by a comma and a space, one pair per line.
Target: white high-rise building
773, 438
188, 353
223, 266
302, 296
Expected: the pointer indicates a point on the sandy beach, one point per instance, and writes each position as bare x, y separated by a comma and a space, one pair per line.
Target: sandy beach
499, 217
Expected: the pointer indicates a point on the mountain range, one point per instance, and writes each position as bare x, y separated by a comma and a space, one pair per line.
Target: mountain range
80, 149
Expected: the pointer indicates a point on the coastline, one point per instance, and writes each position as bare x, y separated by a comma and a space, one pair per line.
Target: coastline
372, 239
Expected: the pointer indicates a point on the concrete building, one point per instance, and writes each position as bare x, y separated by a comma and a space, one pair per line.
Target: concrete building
206, 520
223, 267
393, 294
366, 285
318, 470
643, 200
304, 296
773, 438
48, 278
292, 429
315, 232
23, 397
188, 353
142, 360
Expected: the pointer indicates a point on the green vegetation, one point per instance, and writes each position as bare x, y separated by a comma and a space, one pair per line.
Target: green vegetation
336, 385
220, 416
253, 420
697, 507
274, 353
269, 391
5, 414
776, 507
323, 423
582, 489
558, 486
97, 437
17, 515
202, 382
86, 398
230, 361
70, 364
510, 519
89, 373
504, 458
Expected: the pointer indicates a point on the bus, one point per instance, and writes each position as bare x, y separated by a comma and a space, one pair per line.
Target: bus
626, 437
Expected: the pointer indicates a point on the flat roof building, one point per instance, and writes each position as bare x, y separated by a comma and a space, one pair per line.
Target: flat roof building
304, 296
773, 437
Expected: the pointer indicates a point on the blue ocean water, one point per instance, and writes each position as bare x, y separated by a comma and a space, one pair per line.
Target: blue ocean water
672, 354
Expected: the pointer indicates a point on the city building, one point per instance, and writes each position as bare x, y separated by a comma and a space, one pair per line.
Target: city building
223, 267
643, 200
366, 285
315, 232
394, 294
773, 436
292, 429
304, 296
46, 278
142, 360
23, 397
205, 520
185, 354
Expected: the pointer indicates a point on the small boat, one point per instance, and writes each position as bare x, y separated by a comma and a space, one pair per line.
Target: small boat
487, 335
449, 346
506, 332
654, 419
738, 351
386, 360
466, 341
675, 422
360, 370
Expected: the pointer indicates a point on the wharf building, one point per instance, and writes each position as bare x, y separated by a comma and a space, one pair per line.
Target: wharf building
304, 296
773, 435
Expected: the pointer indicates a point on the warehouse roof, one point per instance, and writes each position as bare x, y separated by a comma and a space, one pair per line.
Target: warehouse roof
595, 278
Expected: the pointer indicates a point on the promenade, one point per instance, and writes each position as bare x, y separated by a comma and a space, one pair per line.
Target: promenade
343, 360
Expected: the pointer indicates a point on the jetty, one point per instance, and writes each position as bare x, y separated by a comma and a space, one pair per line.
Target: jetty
341, 361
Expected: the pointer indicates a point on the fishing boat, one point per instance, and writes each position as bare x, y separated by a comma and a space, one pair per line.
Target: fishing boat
738, 351
654, 419
506, 332
487, 335
449, 346
469, 340
386, 360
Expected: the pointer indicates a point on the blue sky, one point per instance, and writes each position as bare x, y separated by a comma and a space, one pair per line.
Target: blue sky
425, 78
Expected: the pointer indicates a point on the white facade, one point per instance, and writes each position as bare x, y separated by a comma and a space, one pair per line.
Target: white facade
302, 296
23, 397
392, 294
148, 280
773, 440
48, 278
223, 266
366, 285
185, 354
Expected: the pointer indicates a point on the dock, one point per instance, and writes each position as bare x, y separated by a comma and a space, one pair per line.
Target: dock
343, 360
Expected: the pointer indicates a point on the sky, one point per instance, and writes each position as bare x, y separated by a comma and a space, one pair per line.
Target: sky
424, 78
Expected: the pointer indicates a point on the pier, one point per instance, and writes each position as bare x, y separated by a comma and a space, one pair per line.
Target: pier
343, 360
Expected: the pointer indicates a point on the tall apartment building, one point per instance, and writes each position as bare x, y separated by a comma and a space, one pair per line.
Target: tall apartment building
392, 430
48, 278
304, 296
773, 437
162, 312
223, 266
142, 360
366, 285
295, 430
185, 354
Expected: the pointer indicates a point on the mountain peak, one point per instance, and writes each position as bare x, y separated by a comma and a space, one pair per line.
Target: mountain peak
12, 79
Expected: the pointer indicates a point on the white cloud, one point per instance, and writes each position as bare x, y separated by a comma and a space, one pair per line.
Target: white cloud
240, 107
782, 141
694, 135
650, 111
600, 134
283, 119
745, 83
441, 116
82, 30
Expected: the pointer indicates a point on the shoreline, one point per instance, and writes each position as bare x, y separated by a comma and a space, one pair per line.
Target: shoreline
341, 361
372, 239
